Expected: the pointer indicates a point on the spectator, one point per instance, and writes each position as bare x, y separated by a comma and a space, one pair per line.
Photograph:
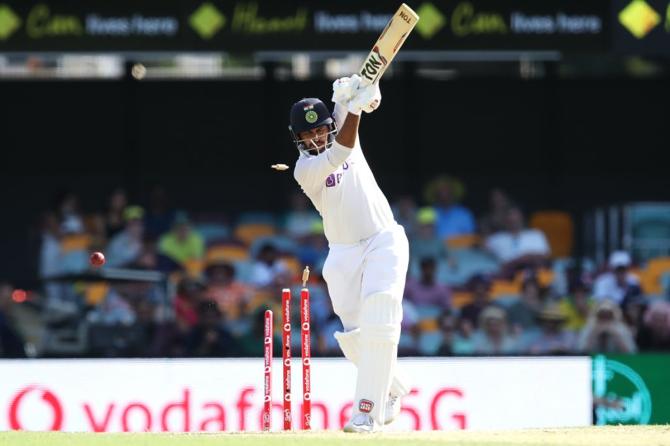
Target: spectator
404, 211
313, 249
618, 283
426, 243
68, 210
448, 327
209, 338
50, 254
493, 337
553, 338
494, 219
113, 310
517, 246
230, 295
126, 246
524, 312
182, 243
186, 302
114, 217
654, 335
268, 270
605, 331
452, 219
480, 286
426, 290
301, 218
11, 344
576, 307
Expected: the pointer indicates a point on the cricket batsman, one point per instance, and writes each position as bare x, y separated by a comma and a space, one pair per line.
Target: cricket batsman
368, 251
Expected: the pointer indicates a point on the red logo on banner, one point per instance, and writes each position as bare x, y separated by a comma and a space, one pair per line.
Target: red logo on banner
47, 396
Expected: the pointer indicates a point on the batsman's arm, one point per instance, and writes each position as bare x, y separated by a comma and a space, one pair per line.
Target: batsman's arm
347, 134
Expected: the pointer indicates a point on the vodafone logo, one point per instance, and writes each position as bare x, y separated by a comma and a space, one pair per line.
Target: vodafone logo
47, 397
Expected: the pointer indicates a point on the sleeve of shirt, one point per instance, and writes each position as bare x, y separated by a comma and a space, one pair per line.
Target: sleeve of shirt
543, 244
310, 172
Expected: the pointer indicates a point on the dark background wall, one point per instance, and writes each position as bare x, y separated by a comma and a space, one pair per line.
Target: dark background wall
571, 144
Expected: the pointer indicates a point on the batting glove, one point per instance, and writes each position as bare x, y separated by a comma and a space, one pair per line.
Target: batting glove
345, 88
366, 99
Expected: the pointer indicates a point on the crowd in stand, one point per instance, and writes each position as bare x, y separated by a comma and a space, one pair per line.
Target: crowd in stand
477, 286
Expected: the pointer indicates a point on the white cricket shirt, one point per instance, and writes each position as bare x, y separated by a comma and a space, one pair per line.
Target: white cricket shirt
343, 189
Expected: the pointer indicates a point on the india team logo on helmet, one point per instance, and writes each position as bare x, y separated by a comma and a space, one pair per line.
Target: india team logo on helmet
311, 116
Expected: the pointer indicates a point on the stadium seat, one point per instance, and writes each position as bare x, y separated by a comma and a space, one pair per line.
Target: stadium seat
651, 275
463, 241
460, 298
249, 232
226, 253
558, 227
212, 231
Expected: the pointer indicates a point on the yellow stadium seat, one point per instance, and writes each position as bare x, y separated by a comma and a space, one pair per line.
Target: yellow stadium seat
650, 277
226, 253
462, 241
249, 232
558, 227
75, 242
293, 265
460, 299
194, 267
501, 288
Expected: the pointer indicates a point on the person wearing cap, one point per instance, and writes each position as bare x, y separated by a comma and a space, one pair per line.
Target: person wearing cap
605, 331
493, 337
453, 219
426, 243
618, 283
182, 243
553, 338
126, 246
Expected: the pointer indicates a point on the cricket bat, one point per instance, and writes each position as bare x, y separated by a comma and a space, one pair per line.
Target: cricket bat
391, 39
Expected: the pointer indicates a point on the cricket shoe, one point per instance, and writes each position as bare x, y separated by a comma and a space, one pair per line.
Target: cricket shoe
393, 407
361, 423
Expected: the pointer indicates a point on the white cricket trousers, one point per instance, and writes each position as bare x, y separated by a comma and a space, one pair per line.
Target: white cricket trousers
374, 265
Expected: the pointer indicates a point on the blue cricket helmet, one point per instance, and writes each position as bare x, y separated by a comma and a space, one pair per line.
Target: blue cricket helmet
308, 114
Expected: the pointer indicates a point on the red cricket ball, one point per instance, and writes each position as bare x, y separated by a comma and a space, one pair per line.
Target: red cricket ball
97, 259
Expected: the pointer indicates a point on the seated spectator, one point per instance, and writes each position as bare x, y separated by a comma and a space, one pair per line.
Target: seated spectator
426, 290
494, 219
517, 246
617, 283
229, 294
182, 243
314, 247
126, 246
452, 218
113, 310
493, 337
269, 271
426, 243
605, 331
114, 216
69, 211
190, 293
576, 307
523, 313
654, 335
301, 218
404, 211
209, 338
50, 248
480, 286
448, 325
553, 338
11, 344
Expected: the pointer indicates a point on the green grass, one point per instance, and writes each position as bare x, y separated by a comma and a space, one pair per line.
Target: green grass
591, 436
